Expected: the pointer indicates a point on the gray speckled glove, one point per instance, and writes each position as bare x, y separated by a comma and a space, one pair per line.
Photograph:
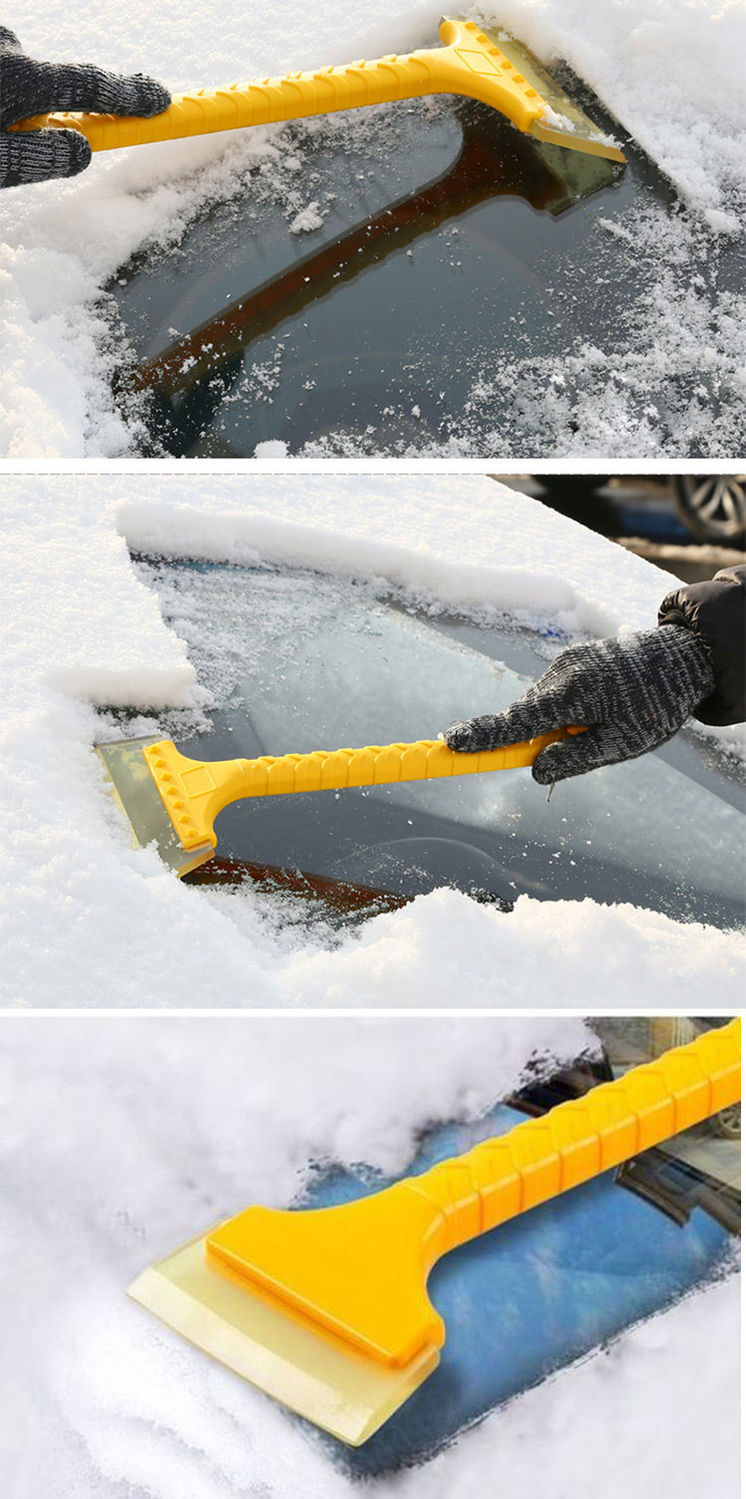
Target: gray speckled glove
632, 694
30, 88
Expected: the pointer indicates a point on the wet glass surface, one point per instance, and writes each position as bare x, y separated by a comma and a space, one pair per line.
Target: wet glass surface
540, 1291
289, 660
440, 232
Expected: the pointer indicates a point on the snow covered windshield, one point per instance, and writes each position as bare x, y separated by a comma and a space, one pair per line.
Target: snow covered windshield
323, 306
291, 660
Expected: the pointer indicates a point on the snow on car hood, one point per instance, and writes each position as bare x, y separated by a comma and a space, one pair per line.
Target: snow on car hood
91, 922
670, 76
137, 1134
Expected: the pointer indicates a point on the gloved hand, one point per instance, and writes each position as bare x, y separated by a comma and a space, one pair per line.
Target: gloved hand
30, 88
633, 694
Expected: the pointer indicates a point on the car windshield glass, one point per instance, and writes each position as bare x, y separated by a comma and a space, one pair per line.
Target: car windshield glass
289, 660
544, 1289
702, 1163
322, 306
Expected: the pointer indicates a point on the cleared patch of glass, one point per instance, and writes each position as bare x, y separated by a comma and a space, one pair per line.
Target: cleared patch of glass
377, 273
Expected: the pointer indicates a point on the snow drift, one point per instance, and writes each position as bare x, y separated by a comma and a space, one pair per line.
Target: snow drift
88, 921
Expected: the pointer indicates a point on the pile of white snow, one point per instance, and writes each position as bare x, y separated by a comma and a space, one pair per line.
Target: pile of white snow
120, 1139
655, 64
671, 73
88, 921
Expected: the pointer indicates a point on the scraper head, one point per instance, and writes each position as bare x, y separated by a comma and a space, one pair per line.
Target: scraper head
563, 122
137, 797
320, 1376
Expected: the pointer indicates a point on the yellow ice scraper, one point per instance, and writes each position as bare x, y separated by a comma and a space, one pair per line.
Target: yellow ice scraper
173, 801
327, 1309
493, 68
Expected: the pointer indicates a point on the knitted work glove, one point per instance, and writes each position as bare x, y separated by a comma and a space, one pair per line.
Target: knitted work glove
30, 88
632, 694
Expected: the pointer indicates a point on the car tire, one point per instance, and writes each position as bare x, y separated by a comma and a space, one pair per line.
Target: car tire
727, 1124
713, 507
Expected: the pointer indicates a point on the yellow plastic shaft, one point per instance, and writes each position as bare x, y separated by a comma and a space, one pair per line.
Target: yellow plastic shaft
360, 1269
468, 64
195, 791
578, 1140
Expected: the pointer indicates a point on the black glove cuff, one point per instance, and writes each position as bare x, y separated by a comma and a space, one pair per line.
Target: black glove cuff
715, 613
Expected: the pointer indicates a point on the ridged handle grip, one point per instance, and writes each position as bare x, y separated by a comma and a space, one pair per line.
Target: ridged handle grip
263, 102
469, 64
578, 1140
195, 791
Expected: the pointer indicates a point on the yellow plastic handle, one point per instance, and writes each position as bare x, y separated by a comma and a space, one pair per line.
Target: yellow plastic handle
360, 1270
195, 791
468, 64
578, 1140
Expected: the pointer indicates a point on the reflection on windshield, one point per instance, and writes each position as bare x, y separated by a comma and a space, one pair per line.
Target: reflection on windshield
357, 321
544, 1289
493, 161
294, 661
